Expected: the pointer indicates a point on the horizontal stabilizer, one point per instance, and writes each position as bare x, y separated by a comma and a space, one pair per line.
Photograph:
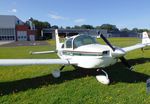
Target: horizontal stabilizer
42, 52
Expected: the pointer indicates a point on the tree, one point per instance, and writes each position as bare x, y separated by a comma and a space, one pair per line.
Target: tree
68, 27
109, 27
76, 27
46, 25
61, 27
87, 27
39, 25
142, 30
125, 30
135, 30
98, 27
54, 27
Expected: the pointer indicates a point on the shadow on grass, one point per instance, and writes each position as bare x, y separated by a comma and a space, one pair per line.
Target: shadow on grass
117, 73
147, 48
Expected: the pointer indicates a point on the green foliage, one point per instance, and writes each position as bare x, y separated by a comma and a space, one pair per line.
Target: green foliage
135, 30
35, 84
76, 27
109, 27
125, 30
39, 25
87, 27
142, 30
83, 27
54, 27
68, 27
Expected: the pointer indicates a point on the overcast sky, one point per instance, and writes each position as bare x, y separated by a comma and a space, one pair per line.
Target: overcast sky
122, 13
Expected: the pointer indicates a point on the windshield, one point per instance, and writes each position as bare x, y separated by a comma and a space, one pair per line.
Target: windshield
83, 40
69, 43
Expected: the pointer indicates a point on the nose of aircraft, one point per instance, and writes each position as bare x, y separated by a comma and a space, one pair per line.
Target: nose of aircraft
93, 48
118, 52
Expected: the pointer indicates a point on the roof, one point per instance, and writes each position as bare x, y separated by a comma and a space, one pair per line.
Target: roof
9, 21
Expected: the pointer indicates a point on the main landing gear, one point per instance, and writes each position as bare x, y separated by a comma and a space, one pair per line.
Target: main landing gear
100, 78
56, 73
103, 78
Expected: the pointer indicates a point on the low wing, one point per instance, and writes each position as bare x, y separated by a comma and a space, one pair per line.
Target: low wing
145, 42
130, 48
13, 62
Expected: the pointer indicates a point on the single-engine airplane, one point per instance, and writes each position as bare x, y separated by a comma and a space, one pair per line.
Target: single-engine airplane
85, 52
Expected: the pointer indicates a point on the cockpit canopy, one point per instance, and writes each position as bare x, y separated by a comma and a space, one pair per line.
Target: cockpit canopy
79, 40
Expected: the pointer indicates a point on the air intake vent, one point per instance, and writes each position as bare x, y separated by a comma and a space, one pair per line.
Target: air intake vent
105, 52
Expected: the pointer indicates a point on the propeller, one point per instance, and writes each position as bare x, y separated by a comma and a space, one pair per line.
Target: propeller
123, 60
107, 42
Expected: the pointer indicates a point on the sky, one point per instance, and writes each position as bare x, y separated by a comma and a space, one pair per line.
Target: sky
122, 13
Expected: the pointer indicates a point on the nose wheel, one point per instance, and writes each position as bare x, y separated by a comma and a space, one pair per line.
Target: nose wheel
103, 78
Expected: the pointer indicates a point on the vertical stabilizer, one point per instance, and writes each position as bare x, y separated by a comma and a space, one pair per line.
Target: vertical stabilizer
145, 38
57, 40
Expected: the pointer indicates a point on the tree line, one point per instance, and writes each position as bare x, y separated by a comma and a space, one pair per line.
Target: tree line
39, 25
108, 27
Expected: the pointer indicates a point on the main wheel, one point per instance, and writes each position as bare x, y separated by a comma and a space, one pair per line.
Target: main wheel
56, 73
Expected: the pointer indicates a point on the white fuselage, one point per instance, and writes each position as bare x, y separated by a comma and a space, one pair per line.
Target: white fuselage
89, 56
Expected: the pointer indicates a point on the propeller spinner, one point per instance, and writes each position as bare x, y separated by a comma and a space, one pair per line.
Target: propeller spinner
123, 60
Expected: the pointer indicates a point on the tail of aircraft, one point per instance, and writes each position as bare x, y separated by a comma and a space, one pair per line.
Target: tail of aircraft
145, 38
58, 44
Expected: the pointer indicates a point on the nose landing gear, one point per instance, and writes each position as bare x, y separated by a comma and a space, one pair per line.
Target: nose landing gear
103, 78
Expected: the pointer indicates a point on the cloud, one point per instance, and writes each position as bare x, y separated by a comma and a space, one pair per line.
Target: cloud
55, 16
14, 10
80, 20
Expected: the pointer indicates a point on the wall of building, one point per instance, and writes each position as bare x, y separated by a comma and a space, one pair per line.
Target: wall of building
12, 28
23, 33
7, 27
8, 21
7, 34
71, 32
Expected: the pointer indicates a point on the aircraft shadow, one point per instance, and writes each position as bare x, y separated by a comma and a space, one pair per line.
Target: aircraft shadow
147, 48
117, 73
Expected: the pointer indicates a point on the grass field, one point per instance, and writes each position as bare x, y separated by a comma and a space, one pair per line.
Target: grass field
35, 84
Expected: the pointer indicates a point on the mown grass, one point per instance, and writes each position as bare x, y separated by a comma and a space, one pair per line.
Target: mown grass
35, 84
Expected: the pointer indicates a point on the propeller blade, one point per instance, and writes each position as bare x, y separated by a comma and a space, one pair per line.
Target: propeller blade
124, 61
107, 42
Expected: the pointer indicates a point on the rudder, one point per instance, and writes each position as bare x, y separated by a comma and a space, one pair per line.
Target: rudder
145, 38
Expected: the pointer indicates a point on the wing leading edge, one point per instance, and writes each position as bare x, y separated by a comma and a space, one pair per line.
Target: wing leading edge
13, 62
130, 48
